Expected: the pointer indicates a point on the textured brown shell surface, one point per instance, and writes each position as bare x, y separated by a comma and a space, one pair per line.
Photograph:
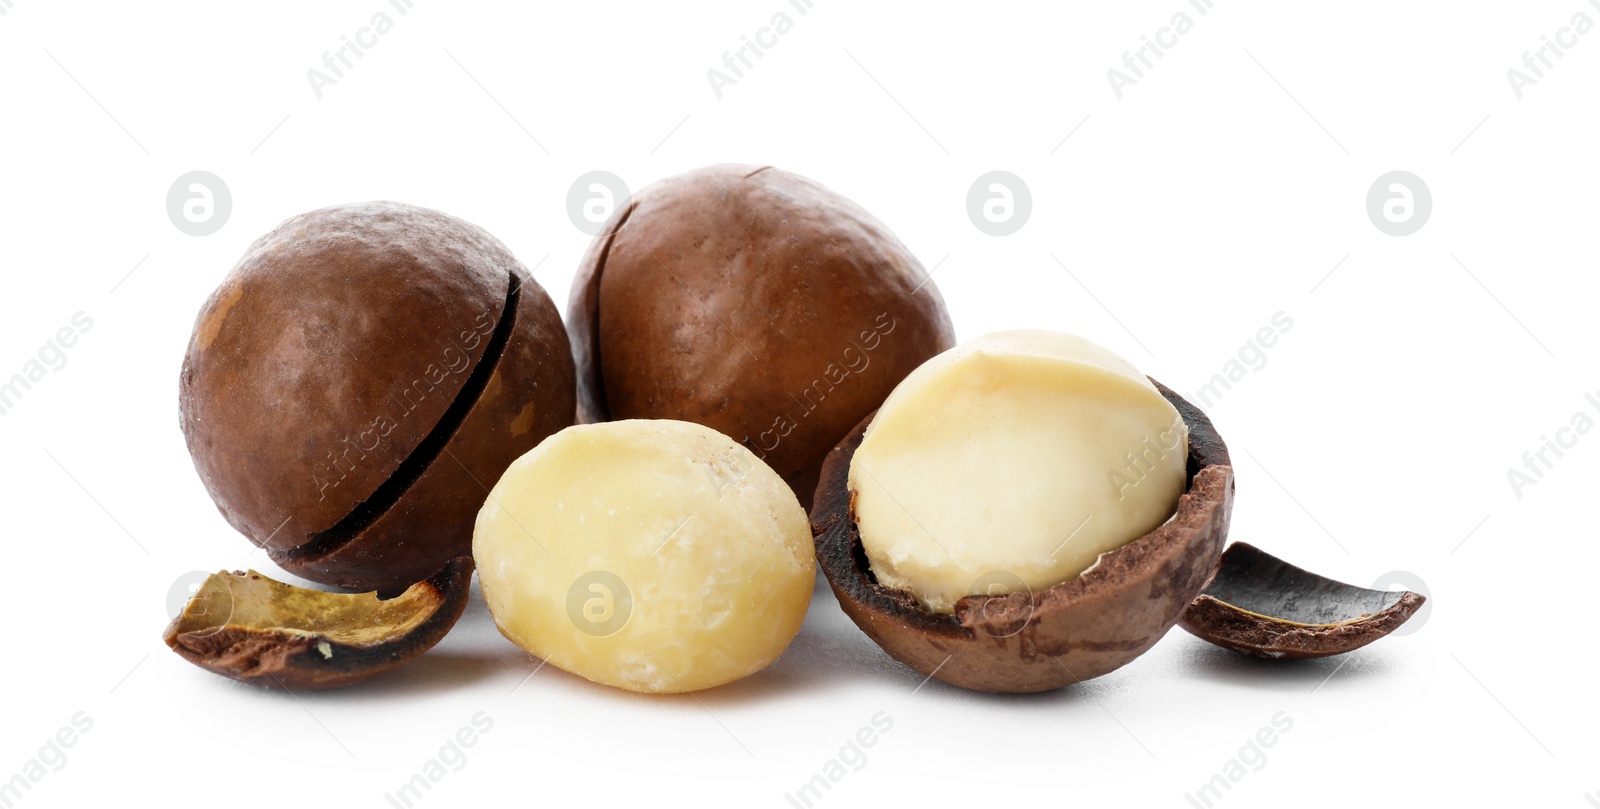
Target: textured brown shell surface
1028, 642
1263, 606
1226, 626
529, 397
298, 661
756, 302
319, 331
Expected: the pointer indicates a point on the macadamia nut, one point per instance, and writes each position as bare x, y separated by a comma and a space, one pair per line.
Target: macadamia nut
652, 555
1013, 461
756, 302
353, 382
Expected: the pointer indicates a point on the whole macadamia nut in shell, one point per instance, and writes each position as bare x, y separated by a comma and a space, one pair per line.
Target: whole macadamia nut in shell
360, 379
755, 302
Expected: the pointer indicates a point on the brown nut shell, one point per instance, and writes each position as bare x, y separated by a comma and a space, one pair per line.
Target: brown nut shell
360, 379
1261, 605
437, 506
253, 629
1045, 639
755, 302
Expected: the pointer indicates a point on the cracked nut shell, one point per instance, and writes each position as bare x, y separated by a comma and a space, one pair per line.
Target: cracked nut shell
360, 379
1261, 605
253, 629
755, 302
1052, 637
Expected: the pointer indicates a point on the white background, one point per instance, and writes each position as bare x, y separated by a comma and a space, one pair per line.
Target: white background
1376, 438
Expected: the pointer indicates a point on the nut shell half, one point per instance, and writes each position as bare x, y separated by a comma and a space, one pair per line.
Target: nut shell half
1261, 605
250, 628
1027, 642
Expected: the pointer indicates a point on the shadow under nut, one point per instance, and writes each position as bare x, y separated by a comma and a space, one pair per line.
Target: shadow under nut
1049, 638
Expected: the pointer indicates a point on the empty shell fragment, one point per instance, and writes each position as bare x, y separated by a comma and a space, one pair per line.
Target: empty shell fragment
253, 629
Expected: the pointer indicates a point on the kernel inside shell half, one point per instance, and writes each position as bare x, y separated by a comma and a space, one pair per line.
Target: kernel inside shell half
1045, 638
1011, 462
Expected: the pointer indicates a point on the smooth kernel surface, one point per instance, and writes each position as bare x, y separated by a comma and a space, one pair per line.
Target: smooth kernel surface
1013, 460
652, 555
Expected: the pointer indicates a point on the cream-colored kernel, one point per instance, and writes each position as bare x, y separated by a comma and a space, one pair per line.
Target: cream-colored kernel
712, 574
1015, 459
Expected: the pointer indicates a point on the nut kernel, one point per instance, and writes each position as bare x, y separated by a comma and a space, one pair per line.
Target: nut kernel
1027, 452
628, 553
